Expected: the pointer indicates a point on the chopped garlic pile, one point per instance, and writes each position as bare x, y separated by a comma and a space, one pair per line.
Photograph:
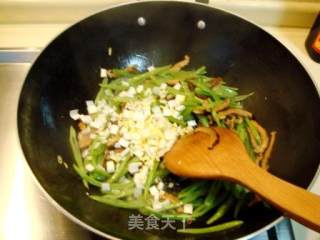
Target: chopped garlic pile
141, 130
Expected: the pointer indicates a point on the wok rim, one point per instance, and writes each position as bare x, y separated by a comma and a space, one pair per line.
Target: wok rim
85, 225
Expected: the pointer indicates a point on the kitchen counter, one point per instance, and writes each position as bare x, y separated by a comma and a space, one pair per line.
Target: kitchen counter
25, 213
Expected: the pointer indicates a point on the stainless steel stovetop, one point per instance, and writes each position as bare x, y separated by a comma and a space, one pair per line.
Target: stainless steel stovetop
25, 213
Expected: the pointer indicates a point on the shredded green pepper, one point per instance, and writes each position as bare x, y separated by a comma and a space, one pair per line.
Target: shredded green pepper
201, 96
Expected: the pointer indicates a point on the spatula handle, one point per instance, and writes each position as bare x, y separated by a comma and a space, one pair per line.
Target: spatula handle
293, 201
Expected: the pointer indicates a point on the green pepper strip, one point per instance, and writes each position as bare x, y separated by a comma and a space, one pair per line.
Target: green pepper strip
120, 73
216, 228
240, 203
189, 190
222, 210
254, 130
115, 193
82, 173
216, 118
242, 132
96, 152
242, 97
212, 200
194, 195
75, 147
225, 91
100, 94
177, 121
131, 204
134, 81
121, 170
203, 120
151, 176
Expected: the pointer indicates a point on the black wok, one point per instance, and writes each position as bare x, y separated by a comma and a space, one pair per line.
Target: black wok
67, 73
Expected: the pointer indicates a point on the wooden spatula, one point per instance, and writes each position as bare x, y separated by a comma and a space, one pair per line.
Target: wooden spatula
218, 153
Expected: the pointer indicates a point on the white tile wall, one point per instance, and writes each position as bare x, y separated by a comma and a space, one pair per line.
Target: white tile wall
297, 13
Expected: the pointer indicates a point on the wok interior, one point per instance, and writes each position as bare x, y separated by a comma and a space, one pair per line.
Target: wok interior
67, 73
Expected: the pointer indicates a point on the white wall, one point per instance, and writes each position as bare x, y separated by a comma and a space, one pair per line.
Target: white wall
293, 13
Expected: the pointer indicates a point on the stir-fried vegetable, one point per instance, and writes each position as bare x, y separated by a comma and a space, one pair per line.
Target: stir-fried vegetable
135, 119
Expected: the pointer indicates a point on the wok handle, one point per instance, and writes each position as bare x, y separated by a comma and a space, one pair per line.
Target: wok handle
295, 202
